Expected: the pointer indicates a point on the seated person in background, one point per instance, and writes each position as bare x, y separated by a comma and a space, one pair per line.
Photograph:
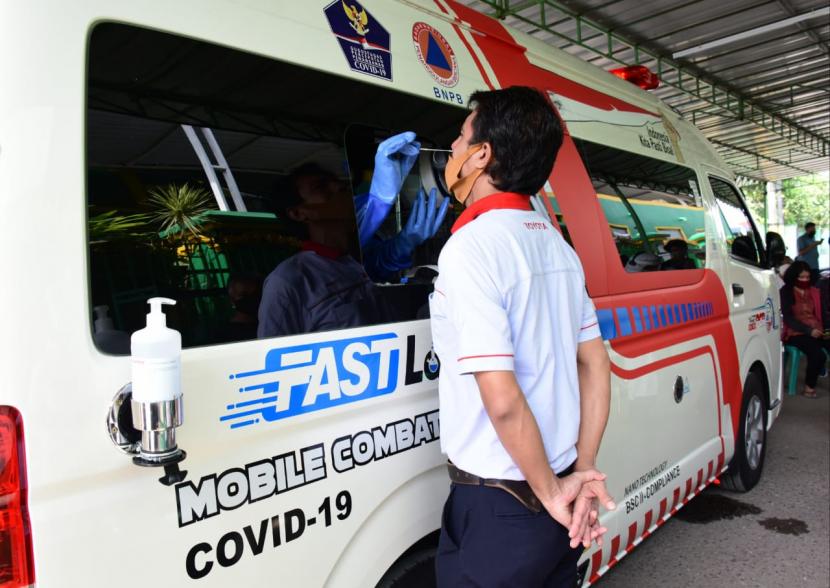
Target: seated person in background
323, 287
384, 258
642, 262
245, 292
780, 263
803, 329
679, 260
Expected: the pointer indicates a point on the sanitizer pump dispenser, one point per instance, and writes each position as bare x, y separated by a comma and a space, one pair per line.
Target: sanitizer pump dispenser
157, 392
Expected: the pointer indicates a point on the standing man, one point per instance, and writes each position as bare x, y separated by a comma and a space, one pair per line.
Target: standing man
525, 387
808, 248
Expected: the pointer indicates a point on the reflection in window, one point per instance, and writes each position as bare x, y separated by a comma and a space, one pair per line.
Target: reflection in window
742, 239
206, 175
653, 209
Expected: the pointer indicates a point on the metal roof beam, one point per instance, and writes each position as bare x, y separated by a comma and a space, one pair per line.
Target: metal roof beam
766, 41
758, 155
790, 65
774, 57
788, 8
754, 32
672, 73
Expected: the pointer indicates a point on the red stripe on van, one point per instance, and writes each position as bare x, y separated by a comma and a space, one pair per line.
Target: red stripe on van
699, 479
675, 500
509, 62
470, 50
711, 467
596, 561
688, 491
657, 365
632, 535
663, 507
615, 548
647, 524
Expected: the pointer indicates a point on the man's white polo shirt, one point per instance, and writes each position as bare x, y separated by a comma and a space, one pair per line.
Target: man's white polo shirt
510, 295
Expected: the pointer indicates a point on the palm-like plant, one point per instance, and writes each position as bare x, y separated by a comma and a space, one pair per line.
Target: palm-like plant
179, 206
109, 225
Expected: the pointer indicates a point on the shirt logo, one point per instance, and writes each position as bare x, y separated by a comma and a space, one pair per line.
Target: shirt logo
364, 42
315, 376
435, 54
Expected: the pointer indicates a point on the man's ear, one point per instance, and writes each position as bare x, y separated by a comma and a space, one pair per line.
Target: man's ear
481, 158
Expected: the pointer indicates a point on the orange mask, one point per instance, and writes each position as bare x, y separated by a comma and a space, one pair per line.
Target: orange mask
460, 187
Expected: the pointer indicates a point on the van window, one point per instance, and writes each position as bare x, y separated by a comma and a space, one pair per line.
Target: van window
197, 158
742, 239
653, 209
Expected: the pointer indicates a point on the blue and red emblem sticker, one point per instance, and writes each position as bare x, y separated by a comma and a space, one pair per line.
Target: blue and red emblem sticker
435, 54
365, 43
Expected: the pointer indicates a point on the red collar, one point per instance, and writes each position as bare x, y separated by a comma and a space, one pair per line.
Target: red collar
497, 201
322, 250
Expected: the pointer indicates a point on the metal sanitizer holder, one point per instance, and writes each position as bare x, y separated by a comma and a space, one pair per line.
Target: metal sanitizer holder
147, 431
145, 414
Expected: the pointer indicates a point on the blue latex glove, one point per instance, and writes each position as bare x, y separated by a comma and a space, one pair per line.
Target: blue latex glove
423, 222
383, 259
393, 161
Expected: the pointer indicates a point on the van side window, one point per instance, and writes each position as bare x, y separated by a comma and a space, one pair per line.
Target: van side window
222, 180
653, 209
742, 239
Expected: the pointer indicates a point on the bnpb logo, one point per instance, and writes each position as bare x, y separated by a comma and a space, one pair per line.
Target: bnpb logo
435, 54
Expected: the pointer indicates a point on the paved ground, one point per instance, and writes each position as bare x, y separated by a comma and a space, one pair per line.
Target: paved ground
777, 535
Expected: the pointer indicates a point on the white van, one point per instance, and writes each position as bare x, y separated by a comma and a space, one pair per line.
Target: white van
313, 459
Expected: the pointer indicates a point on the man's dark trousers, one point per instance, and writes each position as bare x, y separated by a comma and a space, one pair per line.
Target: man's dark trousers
489, 539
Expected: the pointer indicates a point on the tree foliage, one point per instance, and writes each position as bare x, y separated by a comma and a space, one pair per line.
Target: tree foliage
807, 199
755, 193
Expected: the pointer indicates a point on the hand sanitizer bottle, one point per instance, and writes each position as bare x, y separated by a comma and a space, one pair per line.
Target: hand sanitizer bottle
156, 357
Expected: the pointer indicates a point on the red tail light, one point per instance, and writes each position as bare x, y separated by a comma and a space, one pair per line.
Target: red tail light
16, 561
639, 75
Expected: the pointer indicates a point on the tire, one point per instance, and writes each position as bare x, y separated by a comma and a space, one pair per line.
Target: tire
747, 464
415, 570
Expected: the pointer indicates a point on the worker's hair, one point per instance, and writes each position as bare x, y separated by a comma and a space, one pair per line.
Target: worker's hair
792, 273
524, 133
809, 226
311, 170
671, 244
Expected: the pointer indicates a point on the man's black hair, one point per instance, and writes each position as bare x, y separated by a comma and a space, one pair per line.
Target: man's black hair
313, 170
792, 273
809, 226
289, 194
524, 132
679, 243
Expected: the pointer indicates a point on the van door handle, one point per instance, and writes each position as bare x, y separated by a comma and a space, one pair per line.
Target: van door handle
737, 289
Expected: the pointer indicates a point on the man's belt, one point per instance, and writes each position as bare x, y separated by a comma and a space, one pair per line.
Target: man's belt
518, 489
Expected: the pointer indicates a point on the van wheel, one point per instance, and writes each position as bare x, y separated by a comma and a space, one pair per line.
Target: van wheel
751, 443
416, 570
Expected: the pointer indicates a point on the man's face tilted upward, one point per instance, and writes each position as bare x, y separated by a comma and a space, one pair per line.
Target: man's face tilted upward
460, 174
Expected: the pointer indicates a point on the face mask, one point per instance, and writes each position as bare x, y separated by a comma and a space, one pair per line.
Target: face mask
461, 187
803, 284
